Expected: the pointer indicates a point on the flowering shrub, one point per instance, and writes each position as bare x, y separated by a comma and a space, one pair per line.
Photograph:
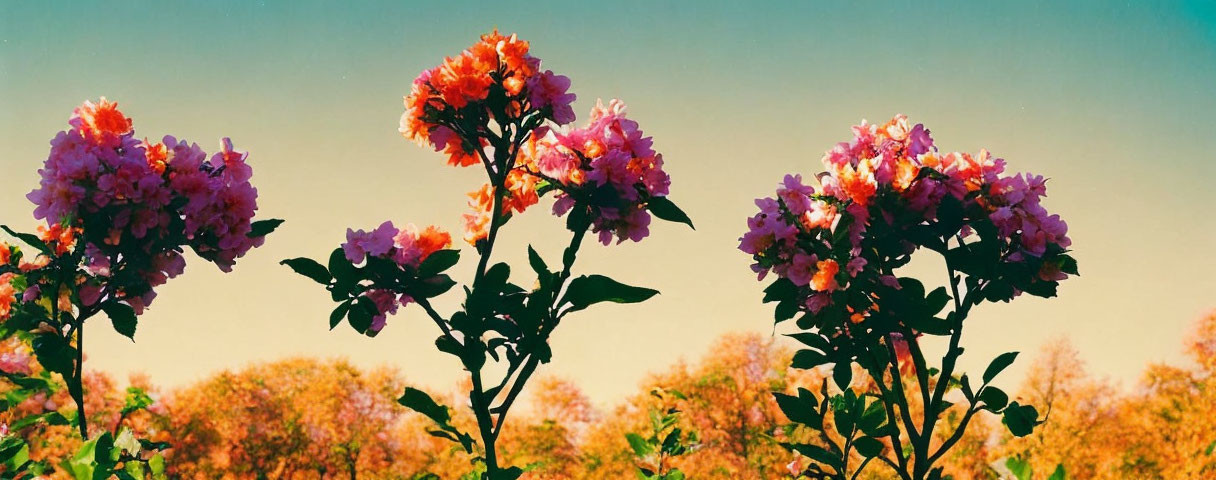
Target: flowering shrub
835, 250
493, 105
119, 214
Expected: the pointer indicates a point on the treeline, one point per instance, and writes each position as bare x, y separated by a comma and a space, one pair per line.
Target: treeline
308, 418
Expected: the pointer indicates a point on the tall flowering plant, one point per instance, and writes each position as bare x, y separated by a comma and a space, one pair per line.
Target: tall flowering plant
120, 213
835, 251
494, 107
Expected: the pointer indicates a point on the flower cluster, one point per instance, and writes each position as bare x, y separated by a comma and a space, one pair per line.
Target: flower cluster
881, 192
138, 203
607, 168
494, 79
407, 247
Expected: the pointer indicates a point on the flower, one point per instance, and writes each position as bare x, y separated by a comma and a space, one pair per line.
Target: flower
8, 295
887, 185
376, 243
135, 204
496, 77
101, 122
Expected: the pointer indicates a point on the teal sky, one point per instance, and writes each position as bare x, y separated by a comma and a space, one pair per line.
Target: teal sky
1112, 101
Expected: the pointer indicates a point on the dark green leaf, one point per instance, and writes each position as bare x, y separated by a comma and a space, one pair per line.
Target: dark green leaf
31, 240
418, 401
309, 268
663, 208
808, 359
338, 314
361, 314
341, 269
438, 262
1059, 474
122, 316
868, 447
262, 228
785, 310
994, 398
998, 364
816, 453
591, 289
1020, 419
842, 373
537, 263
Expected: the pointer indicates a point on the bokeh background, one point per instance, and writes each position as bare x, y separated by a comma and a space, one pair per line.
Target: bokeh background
1110, 100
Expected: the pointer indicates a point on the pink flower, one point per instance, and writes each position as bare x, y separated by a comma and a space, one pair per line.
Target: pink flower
376, 243
856, 265
548, 90
795, 195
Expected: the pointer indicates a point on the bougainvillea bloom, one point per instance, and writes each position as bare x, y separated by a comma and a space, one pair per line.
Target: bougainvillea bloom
136, 204
890, 182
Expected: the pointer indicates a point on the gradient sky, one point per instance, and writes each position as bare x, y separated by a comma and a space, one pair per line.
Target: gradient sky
1112, 102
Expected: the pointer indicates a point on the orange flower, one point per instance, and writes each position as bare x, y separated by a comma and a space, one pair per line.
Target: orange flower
859, 183
158, 156
825, 276
461, 80
102, 121
5, 253
905, 172
521, 189
58, 237
476, 227
431, 240
7, 296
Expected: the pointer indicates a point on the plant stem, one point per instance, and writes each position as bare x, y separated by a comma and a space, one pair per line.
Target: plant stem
78, 381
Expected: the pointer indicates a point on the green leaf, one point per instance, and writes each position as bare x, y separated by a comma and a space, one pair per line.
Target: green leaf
867, 446
31, 240
262, 228
341, 269
785, 310
663, 208
937, 300
418, 401
808, 359
122, 316
1059, 474
815, 452
54, 353
780, 290
872, 418
1020, 419
994, 398
842, 373
1068, 265
361, 313
998, 364
156, 465
640, 446
338, 314
1019, 468
438, 262
309, 268
537, 263
591, 289
798, 410
84, 461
